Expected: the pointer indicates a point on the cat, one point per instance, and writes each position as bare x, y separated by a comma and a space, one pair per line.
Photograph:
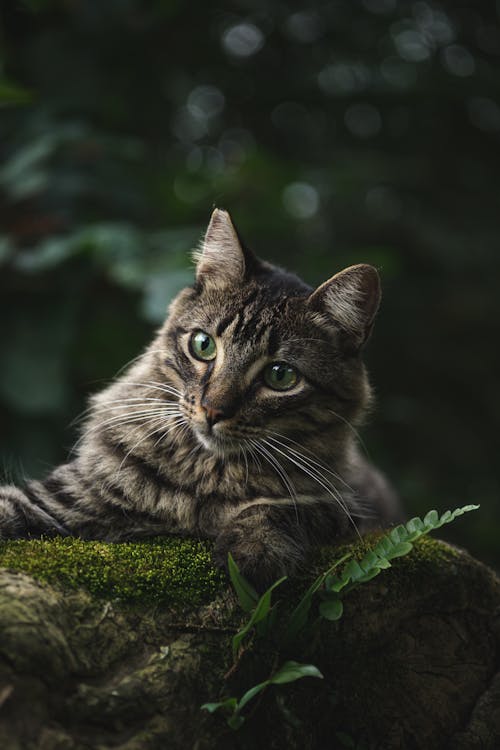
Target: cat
236, 424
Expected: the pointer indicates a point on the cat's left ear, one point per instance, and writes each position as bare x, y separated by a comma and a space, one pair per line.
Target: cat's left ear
222, 261
351, 299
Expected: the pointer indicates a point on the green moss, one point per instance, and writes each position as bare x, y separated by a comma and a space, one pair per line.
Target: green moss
171, 570
426, 550
428, 558
166, 570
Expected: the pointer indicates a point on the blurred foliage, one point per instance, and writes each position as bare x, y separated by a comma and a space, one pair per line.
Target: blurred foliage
335, 132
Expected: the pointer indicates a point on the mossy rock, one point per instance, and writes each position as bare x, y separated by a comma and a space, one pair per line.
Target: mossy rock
162, 571
117, 646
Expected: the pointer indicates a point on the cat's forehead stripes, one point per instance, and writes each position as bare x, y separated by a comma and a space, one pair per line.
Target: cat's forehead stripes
233, 317
255, 322
239, 361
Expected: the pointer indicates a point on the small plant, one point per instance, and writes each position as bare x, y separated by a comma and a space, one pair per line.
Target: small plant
290, 671
263, 615
330, 587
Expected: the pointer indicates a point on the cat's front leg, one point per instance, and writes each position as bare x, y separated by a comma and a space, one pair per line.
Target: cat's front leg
266, 541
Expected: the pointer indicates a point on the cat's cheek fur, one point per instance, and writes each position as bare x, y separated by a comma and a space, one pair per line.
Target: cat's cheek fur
263, 551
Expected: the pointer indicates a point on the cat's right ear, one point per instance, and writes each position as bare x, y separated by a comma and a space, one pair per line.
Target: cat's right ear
222, 261
350, 299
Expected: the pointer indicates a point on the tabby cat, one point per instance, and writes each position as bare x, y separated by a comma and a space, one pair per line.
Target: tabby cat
236, 424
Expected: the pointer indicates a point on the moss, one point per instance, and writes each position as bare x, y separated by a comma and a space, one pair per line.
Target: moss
428, 559
171, 570
426, 552
166, 570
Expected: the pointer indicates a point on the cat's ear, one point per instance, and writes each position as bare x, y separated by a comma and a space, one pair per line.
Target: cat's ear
351, 299
222, 260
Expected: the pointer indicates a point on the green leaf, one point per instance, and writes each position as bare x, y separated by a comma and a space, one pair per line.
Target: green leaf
336, 583
293, 670
352, 571
415, 527
449, 516
398, 534
398, 542
331, 609
383, 546
400, 550
229, 703
255, 690
235, 721
299, 616
259, 613
247, 596
369, 561
431, 519
371, 574
266, 625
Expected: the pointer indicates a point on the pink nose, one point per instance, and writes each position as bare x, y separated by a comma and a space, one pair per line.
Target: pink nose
213, 415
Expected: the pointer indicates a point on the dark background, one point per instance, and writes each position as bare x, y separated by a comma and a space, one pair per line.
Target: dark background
335, 132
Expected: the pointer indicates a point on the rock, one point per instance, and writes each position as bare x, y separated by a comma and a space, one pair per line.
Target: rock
117, 646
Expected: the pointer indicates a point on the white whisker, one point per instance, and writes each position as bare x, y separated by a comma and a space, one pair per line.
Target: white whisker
136, 445
314, 460
314, 474
354, 431
140, 356
164, 387
242, 448
253, 454
132, 417
279, 469
132, 402
180, 421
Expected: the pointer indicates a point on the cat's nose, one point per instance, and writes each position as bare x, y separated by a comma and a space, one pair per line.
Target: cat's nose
212, 414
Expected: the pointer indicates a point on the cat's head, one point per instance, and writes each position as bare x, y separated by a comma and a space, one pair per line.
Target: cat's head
257, 353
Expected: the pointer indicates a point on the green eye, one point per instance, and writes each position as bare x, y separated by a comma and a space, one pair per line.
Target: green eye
280, 376
203, 346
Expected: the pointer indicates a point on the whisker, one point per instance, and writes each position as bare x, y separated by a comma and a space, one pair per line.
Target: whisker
143, 409
164, 387
278, 468
143, 424
314, 474
194, 449
140, 356
133, 400
180, 421
306, 458
242, 448
131, 416
136, 445
354, 431
142, 416
253, 454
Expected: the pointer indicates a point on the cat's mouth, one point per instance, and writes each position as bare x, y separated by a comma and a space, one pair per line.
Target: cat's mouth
215, 441
218, 440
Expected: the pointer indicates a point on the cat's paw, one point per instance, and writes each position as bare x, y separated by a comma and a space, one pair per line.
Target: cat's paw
259, 562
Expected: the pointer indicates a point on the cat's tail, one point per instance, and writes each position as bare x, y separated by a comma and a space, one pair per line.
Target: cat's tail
29, 511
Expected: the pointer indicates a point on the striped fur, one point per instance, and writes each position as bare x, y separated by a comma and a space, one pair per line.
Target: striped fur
281, 470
